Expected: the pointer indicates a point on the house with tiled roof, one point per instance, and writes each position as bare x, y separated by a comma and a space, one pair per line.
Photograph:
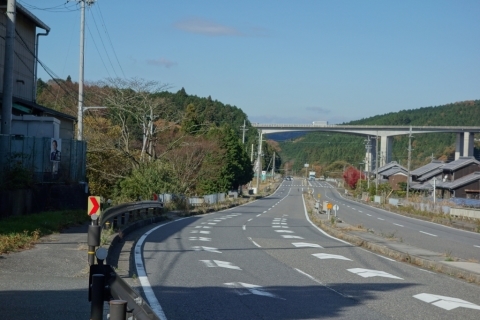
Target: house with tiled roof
393, 173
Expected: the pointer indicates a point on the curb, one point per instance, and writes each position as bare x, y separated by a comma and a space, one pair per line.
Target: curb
402, 256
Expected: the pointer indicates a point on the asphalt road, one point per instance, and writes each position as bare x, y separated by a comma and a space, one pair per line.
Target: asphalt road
265, 260
418, 233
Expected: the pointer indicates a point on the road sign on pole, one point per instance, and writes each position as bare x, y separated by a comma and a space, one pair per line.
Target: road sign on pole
93, 205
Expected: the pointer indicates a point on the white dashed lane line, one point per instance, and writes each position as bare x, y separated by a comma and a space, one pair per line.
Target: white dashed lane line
433, 235
380, 219
369, 215
398, 225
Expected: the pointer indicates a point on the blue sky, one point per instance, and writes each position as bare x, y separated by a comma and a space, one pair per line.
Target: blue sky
279, 61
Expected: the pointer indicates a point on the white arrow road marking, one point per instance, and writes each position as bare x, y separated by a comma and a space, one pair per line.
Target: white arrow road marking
287, 236
199, 239
246, 288
429, 234
447, 303
221, 264
367, 273
209, 249
306, 245
329, 256
284, 231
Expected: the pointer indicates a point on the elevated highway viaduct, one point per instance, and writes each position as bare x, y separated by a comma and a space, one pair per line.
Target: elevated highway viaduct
383, 134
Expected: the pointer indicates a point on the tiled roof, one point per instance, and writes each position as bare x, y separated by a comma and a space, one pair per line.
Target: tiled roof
422, 186
389, 166
394, 170
459, 182
460, 163
435, 164
430, 174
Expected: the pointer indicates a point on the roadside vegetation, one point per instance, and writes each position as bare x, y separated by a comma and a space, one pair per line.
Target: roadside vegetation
22, 232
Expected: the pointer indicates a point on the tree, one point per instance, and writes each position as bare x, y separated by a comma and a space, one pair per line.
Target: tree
134, 106
351, 176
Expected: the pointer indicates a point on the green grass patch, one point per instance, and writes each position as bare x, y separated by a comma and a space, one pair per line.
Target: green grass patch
21, 232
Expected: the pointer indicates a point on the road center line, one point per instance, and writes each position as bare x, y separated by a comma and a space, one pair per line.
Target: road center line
433, 235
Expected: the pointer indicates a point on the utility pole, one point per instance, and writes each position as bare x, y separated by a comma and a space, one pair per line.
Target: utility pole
259, 160
409, 158
8, 68
376, 165
251, 155
243, 134
81, 68
273, 167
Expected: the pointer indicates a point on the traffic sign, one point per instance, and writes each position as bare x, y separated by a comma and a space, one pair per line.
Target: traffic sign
335, 207
329, 206
93, 205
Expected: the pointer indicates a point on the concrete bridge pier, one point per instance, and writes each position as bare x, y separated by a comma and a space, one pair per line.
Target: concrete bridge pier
385, 150
464, 145
369, 155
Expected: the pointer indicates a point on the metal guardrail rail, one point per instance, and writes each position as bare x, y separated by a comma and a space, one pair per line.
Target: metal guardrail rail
104, 283
128, 211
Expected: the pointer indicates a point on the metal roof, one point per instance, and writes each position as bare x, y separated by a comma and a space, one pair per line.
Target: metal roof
32, 17
450, 185
427, 168
460, 163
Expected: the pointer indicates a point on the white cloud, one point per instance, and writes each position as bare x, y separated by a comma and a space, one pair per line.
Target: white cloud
161, 62
201, 26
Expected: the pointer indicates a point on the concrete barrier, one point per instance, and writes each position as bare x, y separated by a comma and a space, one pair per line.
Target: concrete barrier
468, 213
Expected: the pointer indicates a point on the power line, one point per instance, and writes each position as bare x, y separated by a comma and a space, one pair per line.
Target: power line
109, 39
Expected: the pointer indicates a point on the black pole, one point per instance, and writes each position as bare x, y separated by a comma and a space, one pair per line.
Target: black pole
98, 287
118, 310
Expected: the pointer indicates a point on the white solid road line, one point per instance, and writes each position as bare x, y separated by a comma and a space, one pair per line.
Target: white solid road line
433, 235
254, 242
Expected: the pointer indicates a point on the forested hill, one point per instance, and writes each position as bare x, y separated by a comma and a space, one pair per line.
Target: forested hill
322, 149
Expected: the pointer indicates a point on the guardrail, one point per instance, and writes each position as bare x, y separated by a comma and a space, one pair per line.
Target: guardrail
127, 212
104, 283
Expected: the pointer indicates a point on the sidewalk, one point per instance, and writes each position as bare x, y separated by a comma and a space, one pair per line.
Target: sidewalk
49, 281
